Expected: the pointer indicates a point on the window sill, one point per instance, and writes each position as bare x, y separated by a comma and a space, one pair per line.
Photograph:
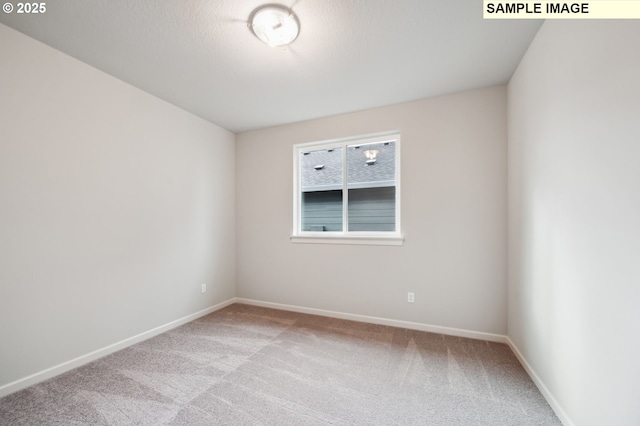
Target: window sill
370, 240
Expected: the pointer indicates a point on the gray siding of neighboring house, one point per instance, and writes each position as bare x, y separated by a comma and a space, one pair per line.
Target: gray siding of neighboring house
322, 211
369, 209
372, 209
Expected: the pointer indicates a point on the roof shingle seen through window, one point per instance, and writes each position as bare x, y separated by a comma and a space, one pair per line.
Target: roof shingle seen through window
330, 176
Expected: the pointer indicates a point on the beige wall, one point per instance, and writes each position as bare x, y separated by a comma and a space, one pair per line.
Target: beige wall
115, 207
453, 218
574, 217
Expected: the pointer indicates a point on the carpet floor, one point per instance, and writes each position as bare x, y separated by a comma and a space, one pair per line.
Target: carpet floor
246, 365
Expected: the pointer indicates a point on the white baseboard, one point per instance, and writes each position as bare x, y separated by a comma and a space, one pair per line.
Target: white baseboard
382, 321
562, 415
92, 356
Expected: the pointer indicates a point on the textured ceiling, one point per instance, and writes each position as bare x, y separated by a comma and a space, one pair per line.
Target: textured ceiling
351, 54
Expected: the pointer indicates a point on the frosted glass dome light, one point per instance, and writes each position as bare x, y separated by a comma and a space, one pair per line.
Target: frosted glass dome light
275, 25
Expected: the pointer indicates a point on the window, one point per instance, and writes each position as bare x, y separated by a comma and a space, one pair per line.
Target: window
347, 191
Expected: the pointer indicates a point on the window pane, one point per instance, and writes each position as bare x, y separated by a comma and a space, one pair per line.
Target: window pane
372, 187
321, 193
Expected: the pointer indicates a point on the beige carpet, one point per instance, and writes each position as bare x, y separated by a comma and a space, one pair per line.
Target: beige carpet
245, 365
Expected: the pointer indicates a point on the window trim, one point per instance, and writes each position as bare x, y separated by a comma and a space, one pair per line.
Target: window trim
346, 237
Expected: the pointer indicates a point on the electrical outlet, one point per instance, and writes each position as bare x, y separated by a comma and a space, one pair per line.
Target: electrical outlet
203, 288
410, 297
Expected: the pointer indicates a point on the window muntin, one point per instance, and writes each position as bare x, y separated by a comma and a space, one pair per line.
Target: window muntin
348, 188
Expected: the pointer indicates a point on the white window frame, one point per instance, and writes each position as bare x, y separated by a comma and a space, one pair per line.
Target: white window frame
345, 237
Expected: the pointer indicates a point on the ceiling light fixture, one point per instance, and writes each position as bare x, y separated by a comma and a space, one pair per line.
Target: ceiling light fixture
274, 24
